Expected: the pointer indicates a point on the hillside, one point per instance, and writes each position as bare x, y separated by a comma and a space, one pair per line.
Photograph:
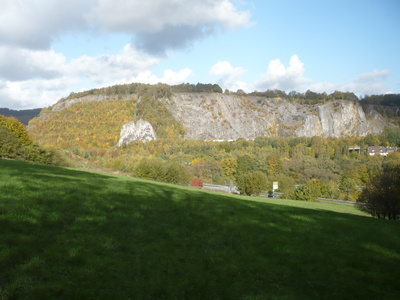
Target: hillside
71, 234
200, 116
92, 124
290, 139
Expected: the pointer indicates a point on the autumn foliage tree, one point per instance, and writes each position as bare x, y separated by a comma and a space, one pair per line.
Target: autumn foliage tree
15, 143
17, 128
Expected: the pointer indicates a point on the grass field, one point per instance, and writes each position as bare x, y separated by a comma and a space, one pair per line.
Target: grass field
72, 234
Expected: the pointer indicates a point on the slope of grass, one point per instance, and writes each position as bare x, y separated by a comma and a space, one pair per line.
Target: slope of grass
71, 234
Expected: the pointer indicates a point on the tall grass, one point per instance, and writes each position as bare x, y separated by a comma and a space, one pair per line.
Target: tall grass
71, 234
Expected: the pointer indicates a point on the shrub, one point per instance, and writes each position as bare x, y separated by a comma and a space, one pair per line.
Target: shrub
303, 192
197, 183
251, 183
166, 171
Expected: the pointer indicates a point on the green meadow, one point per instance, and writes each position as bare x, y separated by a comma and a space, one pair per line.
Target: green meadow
73, 234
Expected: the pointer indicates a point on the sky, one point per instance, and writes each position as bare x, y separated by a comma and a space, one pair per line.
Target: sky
50, 48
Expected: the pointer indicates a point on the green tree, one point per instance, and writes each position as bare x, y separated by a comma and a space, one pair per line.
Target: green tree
166, 171
348, 187
382, 194
303, 192
393, 136
10, 146
317, 188
251, 183
17, 128
245, 164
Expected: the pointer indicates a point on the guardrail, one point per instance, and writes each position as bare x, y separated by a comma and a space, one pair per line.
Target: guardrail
345, 202
228, 189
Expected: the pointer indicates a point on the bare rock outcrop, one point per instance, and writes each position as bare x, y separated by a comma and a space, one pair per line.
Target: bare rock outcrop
139, 131
216, 116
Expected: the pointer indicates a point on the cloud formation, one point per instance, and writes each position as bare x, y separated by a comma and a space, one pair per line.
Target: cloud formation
34, 24
18, 64
228, 76
32, 72
158, 25
107, 68
283, 78
155, 25
364, 84
292, 78
38, 78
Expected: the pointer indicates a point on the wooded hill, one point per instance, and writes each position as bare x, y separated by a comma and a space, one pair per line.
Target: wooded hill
94, 118
88, 125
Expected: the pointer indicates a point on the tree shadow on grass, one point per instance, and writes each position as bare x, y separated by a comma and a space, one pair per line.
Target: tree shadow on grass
124, 238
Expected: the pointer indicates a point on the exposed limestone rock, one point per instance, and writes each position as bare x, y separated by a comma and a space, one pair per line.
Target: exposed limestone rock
139, 131
216, 116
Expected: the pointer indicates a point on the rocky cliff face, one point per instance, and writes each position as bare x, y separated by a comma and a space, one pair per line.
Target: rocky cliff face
216, 116
229, 117
139, 131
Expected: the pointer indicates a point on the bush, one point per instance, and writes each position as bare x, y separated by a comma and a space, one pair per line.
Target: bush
304, 193
252, 183
197, 183
160, 170
310, 191
10, 146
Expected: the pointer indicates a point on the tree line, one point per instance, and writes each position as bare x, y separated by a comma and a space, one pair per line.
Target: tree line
162, 90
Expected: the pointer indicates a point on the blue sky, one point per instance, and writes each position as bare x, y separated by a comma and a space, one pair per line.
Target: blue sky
49, 49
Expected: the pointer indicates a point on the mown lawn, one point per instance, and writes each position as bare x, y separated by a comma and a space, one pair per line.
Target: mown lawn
71, 234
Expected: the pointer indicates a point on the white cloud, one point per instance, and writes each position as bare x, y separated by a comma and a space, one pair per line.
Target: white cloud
159, 25
153, 15
34, 93
291, 77
228, 76
283, 78
32, 74
108, 68
35, 23
18, 64
42, 77
364, 84
169, 77
155, 25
